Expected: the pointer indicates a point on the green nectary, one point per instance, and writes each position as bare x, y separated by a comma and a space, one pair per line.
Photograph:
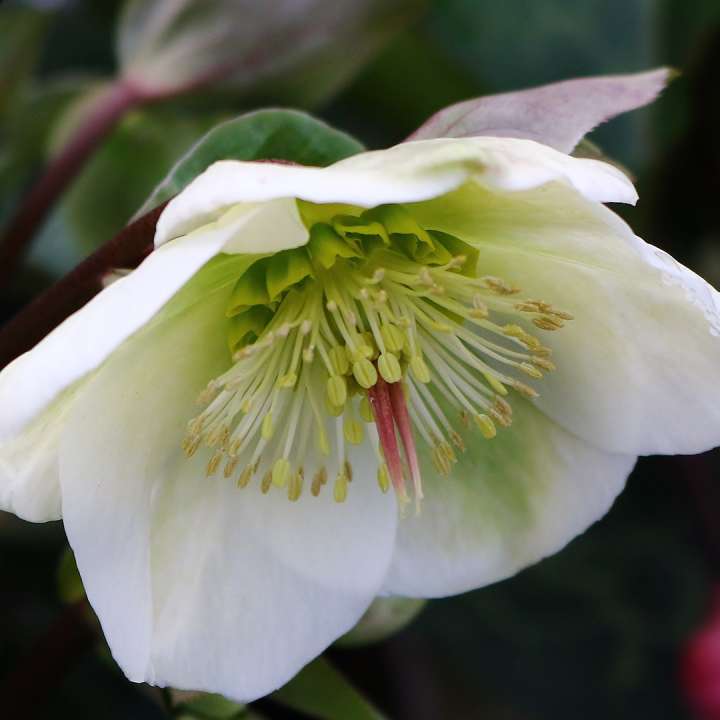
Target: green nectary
372, 301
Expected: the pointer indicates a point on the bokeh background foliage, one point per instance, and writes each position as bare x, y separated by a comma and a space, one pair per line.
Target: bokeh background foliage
593, 632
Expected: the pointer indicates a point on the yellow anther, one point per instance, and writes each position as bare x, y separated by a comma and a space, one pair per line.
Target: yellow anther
503, 406
369, 348
339, 360
340, 490
230, 466
195, 426
246, 406
441, 462
365, 373
334, 410
457, 441
495, 384
295, 486
499, 286
319, 479
479, 313
309, 354
245, 476
547, 323
514, 331
501, 418
486, 425
559, 314
365, 408
287, 381
425, 278
212, 466
524, 389
448, 451
544, 363
389, 367
191, 444
267, 427
322, 441
383, 477
419, 369
218, 436
441, 327
281, 472
353, 431
530, 370
528, 306
347, 469
393, 337
266, 482
336, 391
207, 395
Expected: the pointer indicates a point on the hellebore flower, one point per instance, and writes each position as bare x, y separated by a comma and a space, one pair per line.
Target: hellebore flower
456, 328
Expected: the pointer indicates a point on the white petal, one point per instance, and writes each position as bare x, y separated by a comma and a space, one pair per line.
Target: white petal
405, 173
29, 478
86, 338
508, 503
639, 366
197, 584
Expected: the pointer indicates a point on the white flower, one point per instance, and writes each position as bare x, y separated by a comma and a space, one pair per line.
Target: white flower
330, 285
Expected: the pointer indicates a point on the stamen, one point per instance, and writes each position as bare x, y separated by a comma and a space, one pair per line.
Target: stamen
373, 340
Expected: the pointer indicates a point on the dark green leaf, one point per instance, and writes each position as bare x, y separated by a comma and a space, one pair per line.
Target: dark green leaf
322, 692
70, 587
125, 169
262, 135
21, 32
207, 706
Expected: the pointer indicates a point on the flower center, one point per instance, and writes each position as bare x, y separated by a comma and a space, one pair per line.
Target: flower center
377, 331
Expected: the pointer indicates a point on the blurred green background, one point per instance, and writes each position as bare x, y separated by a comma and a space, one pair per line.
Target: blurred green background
593, 632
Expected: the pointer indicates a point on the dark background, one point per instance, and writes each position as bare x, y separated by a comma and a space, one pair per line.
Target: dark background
594, 632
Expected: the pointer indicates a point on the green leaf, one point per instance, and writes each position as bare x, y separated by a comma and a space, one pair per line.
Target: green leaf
134, 158
207, 706
21, 32
70, 587
261, 135
385, 617
322, 692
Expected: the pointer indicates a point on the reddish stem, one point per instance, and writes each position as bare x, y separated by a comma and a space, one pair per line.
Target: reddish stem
69, 294
109, 107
